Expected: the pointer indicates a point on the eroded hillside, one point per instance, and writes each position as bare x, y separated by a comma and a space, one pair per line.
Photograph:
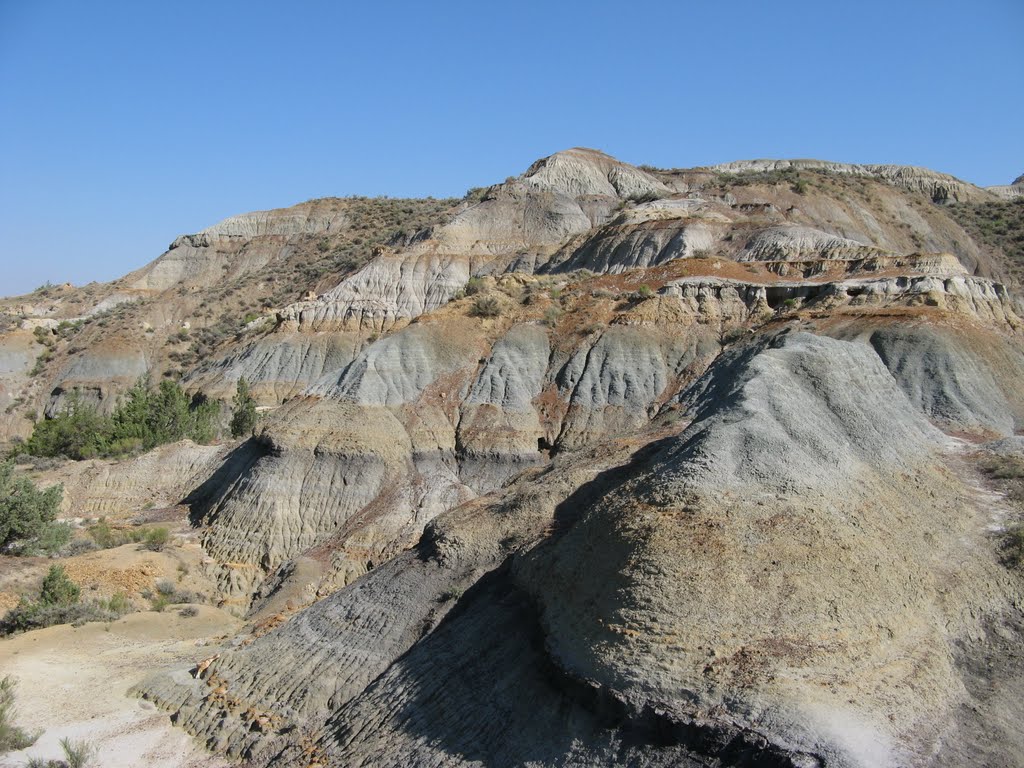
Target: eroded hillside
599, 464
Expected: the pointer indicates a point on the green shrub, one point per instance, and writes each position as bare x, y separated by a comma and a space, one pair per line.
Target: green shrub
66, 328
156, 539
551, 315
167, 594
644, 292
1013, 546
732, 334
11, 736
52, 539
43, 336
78, 754
78, 432
243, 417
29, 615
1004, 467
78, 547
27, 514
531, 295
473, 287
159, 602
58, 589
485, 306
107, 537
57, 604
144, 418
118, 603
40, 365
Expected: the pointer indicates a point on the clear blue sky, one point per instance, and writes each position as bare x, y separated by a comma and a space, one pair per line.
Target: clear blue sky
124, 124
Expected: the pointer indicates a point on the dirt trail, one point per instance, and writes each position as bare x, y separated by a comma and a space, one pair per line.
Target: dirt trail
73, 682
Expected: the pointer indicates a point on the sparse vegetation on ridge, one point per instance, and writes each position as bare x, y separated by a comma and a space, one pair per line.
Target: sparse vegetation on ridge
791, 176
606, 369
998, 225
372, 222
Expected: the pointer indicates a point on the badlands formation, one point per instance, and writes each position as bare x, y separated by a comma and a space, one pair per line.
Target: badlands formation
602, 464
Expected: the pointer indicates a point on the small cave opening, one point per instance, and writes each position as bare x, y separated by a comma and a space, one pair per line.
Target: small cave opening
544, 446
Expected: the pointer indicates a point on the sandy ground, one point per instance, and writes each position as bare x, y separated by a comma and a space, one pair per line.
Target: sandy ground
73, 682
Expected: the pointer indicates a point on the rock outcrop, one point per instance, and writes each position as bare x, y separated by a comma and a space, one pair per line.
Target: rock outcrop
99, 375
118, 489
584, 172
237, 245
958, 384
277, 367
575, 210
601, 464
940, 187
683, 607
439, 412
1009, 191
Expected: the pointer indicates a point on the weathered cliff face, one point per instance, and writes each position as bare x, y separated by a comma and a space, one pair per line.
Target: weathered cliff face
191, 312
204, 307
236, 246
586, 172
18, 352
518, 224
277, 367
439, 412
701, 592
1010, 191
940, 187
715, 580
119, 489
581, 209
99, 375
963, 380
678, 414
455, 406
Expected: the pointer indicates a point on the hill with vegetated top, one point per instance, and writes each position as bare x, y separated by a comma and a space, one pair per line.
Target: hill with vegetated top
602, 463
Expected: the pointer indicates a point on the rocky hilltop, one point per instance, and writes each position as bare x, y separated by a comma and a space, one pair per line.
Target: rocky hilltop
602, 464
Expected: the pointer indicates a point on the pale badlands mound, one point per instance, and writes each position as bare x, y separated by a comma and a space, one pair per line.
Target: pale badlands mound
761, 589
